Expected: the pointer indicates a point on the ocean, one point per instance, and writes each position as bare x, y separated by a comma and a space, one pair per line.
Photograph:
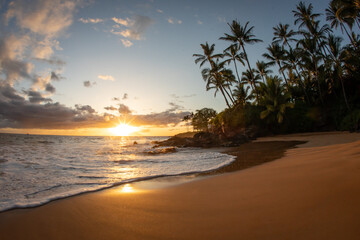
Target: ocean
35, 169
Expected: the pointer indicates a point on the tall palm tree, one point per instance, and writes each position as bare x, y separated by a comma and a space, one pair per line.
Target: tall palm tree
275, 56
291, 62
336, 17
262, 69
233, 55
305, 16
216, 78
311, 57
241, 35
283, 34
335, 46
207, 56
275, 98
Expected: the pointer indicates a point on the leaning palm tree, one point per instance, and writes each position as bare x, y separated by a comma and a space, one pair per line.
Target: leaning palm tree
241, 35
233, 55
252, 79
262, 69
207, 56
275, 99
335, 14
216, 78
275, 56
284, 35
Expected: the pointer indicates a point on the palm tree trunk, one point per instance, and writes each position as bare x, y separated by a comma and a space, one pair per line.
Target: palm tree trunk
236, 70
222, 92
344, 93
318, 82
282, 72
347, 33
251, 73
229, 95
302, 84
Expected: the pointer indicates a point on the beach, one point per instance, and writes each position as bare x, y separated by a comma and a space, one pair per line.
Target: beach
310, 192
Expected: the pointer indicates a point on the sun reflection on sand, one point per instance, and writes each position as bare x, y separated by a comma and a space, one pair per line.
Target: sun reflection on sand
127, 188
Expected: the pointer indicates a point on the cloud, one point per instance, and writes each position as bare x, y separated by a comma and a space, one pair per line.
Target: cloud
91, 20
53, 61
89, 84
106, 77
56, 76
126, 43
124, 22
124, 110
115, 99
17, 112
43, 17
173, 21
222, 19
125, 96
135, 28
50, 88
160, 11
111, 108
199, 22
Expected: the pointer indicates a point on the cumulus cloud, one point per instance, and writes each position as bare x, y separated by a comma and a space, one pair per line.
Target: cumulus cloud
199, 22
160, 11
135, 28
44, 17
106, 77
91, 20
52, 61
36, 97
50, 88
125, 96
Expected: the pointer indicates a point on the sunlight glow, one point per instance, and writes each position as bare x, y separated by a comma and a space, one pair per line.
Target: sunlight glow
123, 130
127, 188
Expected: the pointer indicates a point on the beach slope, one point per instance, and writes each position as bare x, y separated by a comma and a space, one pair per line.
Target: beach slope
311, 193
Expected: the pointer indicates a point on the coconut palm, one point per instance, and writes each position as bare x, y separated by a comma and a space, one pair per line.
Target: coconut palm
241, 35
207, 56
275, 56
217, 77
241, 94
233, 55
304, 15
335, 46
262, 69
274, 98
284, 35
335, 15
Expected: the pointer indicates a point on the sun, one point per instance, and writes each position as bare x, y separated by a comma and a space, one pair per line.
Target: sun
123, 130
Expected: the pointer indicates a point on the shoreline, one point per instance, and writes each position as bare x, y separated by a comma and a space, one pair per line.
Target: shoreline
247, 156
257, 203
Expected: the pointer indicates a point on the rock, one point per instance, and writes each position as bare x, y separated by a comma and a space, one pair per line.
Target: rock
162, 151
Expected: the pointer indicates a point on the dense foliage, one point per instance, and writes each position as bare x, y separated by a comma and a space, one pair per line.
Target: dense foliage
318, 81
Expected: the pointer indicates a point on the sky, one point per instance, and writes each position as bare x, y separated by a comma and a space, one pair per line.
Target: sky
80, 67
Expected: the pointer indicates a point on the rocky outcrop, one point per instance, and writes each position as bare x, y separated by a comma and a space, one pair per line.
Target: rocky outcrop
206, 140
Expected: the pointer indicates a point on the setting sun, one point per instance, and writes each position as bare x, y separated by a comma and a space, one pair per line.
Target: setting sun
123, 130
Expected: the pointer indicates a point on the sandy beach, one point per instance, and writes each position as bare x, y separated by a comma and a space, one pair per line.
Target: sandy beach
312, 192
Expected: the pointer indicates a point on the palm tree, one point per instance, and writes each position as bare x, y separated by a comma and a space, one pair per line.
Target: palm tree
207, 56
305, 16
275, 56
251, 79
335, 46
262, 69
241, 94
283, 34
217, 77
241, 35
233, 55
334, 14
275, 98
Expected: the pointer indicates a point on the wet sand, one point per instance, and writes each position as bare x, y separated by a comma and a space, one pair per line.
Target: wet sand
312, 192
